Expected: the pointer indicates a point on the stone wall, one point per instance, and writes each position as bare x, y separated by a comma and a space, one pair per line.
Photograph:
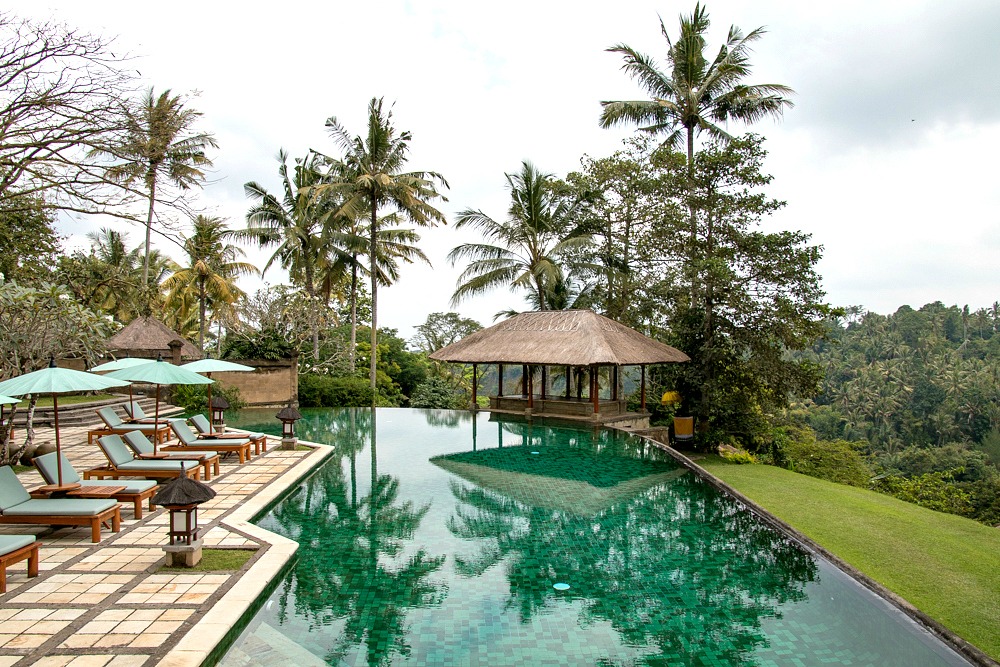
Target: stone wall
273, 384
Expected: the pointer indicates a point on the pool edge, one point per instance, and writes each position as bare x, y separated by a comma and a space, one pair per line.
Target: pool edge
204, 639
956, 643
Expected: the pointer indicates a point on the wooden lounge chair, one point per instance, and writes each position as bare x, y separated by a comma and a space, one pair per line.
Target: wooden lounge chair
136, 415
14, 549
121, 463
144, 449
132, 491
113, 425
189, 441
17, 506
204, 428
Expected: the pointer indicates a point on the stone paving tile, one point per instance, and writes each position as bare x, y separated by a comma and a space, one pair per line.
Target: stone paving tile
127, 559
148, 611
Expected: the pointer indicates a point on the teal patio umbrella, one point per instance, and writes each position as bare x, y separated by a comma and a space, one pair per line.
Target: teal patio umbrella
159, 373
208, 366
118, 364
54, 381
6, 400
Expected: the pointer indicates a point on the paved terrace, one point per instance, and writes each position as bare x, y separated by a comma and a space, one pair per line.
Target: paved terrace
105, 605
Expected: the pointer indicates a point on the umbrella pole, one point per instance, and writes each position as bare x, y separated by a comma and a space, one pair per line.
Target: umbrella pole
55, 413
156, 422
208, 388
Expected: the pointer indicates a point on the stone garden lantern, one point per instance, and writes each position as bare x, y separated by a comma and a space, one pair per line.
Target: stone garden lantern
182, 497
288, 416
219, 407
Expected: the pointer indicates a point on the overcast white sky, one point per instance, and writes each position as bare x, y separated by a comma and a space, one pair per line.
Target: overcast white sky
888, 158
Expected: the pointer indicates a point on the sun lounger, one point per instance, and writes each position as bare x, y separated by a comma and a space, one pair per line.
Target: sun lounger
136, 415
17, 506
121, 463
204, 428
113, 425
133, 490
144, 449
14, 549
189, 441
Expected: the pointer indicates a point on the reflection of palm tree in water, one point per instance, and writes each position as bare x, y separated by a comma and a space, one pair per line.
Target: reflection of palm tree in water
698, 585
350, 564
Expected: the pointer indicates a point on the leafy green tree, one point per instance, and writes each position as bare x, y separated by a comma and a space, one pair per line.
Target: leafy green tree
759, 295
36, 324
109, 278
370, 178
213, 269
160, 147
441, 329
28, 239
528, 249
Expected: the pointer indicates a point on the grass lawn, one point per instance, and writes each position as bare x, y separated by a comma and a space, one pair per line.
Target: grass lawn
216, 560
945, 565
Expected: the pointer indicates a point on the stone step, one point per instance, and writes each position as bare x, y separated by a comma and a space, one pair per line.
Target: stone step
78, 414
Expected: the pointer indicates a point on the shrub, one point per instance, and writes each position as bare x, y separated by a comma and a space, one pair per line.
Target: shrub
933, 490
325, 391
738, 456
194, 398
436, 392
834, 460
268, 344
955, 457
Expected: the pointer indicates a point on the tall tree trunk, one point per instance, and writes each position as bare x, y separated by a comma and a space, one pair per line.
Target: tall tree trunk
693, 277
354, 311
202, 304
149, 234
374, 259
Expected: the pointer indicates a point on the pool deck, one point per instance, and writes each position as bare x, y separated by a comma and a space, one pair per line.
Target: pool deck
105, 604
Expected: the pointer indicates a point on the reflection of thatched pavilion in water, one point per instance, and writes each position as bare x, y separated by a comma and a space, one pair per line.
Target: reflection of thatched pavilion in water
567, 353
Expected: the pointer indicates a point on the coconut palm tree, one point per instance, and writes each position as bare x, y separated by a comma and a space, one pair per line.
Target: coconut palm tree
694, 94
109, 278
304, 229
529, 248
213, 269
370, 178
160, 146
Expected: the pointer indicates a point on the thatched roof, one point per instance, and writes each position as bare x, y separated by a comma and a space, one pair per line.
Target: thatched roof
559, 338
147, 337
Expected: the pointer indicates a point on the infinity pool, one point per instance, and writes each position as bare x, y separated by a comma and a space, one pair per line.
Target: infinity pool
439, 538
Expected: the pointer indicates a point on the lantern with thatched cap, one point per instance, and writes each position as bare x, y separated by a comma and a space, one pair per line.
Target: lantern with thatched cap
288, 416
182, 497
219, 406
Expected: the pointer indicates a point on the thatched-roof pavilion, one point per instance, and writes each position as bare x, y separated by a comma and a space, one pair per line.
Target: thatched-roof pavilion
579, 341
149, 337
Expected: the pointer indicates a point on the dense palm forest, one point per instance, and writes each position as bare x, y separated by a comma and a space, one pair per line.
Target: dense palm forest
909, 404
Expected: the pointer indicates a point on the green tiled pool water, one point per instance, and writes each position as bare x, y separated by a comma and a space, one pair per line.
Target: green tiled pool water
439, 538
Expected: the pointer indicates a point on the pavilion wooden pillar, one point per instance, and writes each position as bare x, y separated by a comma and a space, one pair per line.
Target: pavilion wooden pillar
545, 381
567, 382
642, 390
499, 380
614, 383
524, 380
531, 388
475, 383
594, 389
